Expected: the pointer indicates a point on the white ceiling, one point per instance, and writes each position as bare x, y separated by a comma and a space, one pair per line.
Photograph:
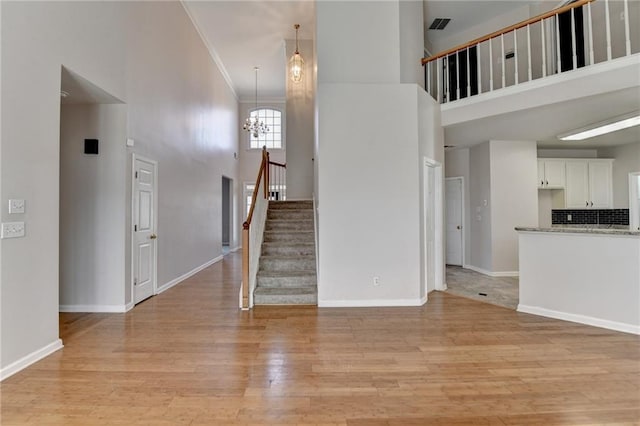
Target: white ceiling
556, 119
243, 34
246, 34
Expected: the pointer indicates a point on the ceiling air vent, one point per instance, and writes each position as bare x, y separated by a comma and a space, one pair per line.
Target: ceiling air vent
439, 23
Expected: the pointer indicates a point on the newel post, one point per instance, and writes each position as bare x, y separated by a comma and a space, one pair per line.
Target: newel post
245, 265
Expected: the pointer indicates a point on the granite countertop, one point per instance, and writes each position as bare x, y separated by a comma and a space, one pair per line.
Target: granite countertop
584, 229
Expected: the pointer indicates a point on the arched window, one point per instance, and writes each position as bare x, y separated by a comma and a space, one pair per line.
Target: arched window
273, 138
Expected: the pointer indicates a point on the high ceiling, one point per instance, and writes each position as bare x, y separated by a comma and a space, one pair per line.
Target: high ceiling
243, 34
246, 34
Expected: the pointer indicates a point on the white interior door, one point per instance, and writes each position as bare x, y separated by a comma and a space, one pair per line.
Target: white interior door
453, 196
430, 213
144, 229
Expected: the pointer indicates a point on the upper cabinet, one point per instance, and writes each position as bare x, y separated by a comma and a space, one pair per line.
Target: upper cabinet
551, 173
589, 184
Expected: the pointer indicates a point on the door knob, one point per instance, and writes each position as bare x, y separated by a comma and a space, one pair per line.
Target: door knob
458, 227
153, 236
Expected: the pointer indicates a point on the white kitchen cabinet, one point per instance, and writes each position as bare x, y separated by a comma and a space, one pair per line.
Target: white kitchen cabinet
588, 184
551, 173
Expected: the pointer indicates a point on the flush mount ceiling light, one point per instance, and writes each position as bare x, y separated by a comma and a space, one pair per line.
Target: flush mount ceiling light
252, 124
602, 128
296, 63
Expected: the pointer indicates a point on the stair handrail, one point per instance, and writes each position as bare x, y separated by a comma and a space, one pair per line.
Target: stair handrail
263, 175
506, 30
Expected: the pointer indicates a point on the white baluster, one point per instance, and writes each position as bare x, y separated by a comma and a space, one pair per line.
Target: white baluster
457, 76
515, 54
608, 26
626, 27
573, 38
544, 50
590, 23
490, 65
559, 64
427, 77
529, 52
479, 68
468, 74
439, 81
502, 59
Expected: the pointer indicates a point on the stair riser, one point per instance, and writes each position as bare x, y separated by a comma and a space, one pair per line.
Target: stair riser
307, 299
296, 205
288, 250
306, 237
287, 264
290, 214
287, 282
289, 225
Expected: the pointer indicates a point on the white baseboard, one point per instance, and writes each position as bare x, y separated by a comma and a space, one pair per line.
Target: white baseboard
582, 319
233, 250
129, 306
94, 308
492, 274
33, 357
183, 277
371, 303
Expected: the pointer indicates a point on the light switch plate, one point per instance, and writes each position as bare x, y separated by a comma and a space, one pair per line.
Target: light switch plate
16, 206
130, 142
13, 230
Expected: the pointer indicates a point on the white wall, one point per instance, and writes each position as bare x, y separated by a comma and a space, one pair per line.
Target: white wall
369, 178
627, 160
299, 128
567, 153
362, 40
514, 199
93, 207
457, 164
180, 112
411, 41
370, 175
480, 207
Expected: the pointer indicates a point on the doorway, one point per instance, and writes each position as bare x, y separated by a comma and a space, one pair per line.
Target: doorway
227, 214
433, 260
145, 243
92, 198
454, 213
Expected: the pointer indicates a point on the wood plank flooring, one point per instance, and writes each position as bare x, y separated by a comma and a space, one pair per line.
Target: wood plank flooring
190, 357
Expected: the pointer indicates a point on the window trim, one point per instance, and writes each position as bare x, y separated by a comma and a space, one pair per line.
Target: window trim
283, 121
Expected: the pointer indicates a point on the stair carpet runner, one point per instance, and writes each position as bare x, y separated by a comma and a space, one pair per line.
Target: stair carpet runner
287, 271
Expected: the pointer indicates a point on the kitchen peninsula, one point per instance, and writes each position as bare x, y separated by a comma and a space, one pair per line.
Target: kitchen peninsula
589, 275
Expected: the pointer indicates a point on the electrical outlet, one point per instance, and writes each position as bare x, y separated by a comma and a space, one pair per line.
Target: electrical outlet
376, 281
12, 230
16, 206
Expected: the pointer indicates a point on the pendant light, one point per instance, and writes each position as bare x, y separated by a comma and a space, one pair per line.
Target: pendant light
296, 63
255, 126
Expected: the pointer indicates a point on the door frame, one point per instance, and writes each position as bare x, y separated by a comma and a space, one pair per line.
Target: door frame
463, 213
439, 223
634, 203
135, 157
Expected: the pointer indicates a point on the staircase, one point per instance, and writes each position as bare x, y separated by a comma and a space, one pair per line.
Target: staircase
287, 271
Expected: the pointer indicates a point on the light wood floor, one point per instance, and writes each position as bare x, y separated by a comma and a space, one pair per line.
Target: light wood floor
189, 357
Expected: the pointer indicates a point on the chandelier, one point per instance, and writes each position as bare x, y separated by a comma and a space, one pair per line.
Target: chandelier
253, 124
296, 63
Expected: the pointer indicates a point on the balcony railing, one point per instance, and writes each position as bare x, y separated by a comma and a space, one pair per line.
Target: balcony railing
582, 33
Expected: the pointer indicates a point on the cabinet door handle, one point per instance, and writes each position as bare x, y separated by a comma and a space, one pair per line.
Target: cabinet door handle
592, 204
547, 182
542, 182
586, 204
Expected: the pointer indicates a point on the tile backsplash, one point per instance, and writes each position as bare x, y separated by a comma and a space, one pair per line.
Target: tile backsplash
590, 217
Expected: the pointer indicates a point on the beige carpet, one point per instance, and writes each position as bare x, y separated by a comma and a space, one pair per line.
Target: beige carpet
501, 291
